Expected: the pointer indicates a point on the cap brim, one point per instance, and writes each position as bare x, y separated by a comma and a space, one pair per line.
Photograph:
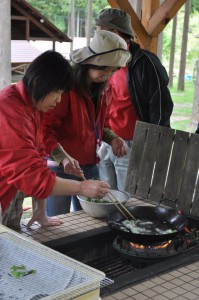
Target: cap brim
80, 55
118, 59
115, 58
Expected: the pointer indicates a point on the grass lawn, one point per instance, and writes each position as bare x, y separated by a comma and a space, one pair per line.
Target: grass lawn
183, 103
27, 206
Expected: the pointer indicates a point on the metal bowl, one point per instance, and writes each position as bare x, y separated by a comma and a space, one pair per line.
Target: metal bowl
101, 210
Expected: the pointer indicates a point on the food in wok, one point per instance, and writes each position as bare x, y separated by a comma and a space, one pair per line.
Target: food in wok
148, 227
162, 218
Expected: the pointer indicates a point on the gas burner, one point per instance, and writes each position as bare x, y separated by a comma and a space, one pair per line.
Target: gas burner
98, 252
156, 250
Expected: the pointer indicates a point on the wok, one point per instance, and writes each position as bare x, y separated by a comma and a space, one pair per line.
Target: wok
161, 217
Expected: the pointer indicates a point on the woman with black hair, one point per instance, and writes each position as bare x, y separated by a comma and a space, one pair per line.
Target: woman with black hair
23, 166
76, 126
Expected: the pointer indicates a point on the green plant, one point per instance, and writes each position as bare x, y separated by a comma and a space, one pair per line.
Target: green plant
20, 271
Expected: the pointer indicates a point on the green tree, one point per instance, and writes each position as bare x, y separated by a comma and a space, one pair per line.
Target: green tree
194, 6
58, 11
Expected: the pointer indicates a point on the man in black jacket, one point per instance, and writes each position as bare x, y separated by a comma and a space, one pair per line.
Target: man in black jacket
139, 92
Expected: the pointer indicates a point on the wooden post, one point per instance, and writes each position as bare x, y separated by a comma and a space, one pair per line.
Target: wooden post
148, 9
154, 19
5, 43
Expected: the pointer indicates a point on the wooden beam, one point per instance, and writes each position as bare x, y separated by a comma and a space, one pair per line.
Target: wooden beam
19, 18
154, 19
51, 31
114, 3
36, 38
138, 28
148, 9
163, 15
153, 45
32, 19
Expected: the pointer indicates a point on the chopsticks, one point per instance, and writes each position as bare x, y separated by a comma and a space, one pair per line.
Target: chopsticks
124, 211
122, 208
83, 177
70, 160
114, 200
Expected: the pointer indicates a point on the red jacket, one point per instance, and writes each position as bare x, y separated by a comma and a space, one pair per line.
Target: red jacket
22, 163
71, 123
121, 115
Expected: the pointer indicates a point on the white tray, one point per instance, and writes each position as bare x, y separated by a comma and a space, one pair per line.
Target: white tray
57, 276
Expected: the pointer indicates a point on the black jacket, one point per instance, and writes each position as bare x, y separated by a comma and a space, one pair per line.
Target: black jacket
147, 84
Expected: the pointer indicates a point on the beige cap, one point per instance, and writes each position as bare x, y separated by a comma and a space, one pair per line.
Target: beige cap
106, 49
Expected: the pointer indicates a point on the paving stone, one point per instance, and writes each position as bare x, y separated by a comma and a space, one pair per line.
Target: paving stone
191, 296
130, 292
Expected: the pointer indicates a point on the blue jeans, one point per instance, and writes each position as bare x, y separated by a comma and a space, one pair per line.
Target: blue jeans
113, 170
57, 205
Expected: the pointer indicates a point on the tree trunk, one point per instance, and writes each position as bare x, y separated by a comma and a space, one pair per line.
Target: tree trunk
172, 51
88, 22
72, 23
5, 43
195, 110
184, 47
159, 46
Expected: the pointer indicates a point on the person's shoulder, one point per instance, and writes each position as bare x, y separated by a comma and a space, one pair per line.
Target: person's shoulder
134, 48
8, 90
137, 51
150, 55
153, 60
8, 95
138, 54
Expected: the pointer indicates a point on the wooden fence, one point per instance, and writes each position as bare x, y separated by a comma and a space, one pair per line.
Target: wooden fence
164, 166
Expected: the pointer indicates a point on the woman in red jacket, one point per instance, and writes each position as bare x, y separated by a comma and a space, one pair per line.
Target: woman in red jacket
23, 165
76, 125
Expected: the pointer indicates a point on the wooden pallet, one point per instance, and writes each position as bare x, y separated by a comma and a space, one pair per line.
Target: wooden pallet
164, 166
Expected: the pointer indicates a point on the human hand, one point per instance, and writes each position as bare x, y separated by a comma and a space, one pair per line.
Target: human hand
118, 147
71, 166
94, 188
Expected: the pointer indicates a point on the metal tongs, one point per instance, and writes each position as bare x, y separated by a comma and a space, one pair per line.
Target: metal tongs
121, 207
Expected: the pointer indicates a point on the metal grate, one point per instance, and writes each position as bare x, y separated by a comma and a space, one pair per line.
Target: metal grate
106, 282
57, 276
112, 265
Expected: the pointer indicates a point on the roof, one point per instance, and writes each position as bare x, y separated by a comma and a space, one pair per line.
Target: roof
23, 52
28, 24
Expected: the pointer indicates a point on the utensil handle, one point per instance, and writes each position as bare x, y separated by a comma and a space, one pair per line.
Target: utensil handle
117, 207
120, 206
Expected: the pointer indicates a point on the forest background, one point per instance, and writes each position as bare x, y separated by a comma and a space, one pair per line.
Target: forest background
183, 95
